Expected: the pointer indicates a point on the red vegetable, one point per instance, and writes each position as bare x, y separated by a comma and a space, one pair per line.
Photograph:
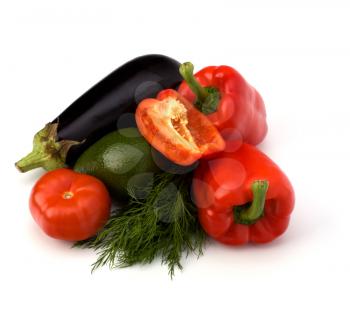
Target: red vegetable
174, 127
242, 196
228, 101
68, 205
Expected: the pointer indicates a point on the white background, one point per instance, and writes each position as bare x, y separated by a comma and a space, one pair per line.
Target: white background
296, 54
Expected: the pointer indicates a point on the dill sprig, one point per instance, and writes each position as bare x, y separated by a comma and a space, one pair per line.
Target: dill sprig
164, 224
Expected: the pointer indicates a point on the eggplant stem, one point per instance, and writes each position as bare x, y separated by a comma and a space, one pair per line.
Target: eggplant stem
47, 152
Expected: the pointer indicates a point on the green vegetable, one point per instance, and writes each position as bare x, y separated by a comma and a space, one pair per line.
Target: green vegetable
209, 105
119, 159
160, 221
207, 97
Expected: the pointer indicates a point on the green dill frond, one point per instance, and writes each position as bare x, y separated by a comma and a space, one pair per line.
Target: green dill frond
163, 225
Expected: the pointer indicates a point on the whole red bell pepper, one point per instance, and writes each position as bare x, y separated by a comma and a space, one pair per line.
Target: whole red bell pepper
242, 196
227, 99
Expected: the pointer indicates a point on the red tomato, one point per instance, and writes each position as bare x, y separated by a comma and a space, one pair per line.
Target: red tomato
68, 205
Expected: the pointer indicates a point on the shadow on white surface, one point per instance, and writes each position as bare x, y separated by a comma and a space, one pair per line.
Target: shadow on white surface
30, 178
40, 239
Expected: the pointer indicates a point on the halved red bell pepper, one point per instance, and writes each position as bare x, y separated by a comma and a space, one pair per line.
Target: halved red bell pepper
174, 127
242, 196
227, 99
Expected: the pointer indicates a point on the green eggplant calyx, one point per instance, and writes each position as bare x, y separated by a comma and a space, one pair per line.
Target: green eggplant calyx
47, 152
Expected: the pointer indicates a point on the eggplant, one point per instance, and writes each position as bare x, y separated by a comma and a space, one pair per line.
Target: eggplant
107, 106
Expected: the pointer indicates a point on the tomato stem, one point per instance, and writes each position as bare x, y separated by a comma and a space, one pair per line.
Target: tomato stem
248, 214
68, 195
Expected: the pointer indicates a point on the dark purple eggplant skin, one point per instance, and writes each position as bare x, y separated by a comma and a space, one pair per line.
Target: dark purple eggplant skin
110, 103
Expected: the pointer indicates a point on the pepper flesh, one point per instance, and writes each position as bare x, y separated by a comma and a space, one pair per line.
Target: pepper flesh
222, 188
176, 129
239, 108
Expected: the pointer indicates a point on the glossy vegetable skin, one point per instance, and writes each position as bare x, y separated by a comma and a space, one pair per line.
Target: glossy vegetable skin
174, 127
242, 196
121, 159
227, 99
108, 105
68, 205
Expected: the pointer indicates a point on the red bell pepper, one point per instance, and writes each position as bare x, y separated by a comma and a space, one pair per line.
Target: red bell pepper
227, 99
174, 127
242, 196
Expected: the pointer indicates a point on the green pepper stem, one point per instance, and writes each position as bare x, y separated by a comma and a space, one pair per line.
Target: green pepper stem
208, 98
248, 215
186, 71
